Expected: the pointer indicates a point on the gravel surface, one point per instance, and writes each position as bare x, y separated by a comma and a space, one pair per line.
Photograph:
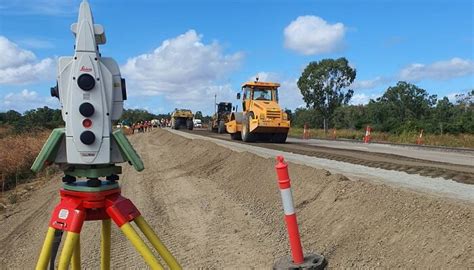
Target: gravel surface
434, 185
219, 208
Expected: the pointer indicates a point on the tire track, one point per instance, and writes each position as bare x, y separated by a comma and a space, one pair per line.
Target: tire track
458, 173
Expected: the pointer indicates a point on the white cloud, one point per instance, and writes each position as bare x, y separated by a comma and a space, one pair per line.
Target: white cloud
40, 7
451, 96
313, 35
289, 93
264, 76
28, 73
184, 70
368, 84
360, 99
26, 100
441, 70
19, 66
12, 56
36, 43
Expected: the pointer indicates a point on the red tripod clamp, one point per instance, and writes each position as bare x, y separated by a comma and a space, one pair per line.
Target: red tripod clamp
76, 207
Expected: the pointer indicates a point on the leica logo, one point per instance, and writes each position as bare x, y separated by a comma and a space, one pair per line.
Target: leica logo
85, 69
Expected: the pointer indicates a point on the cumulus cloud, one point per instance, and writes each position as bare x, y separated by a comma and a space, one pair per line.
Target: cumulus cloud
183, 70
36, 43
361, 98
264, 76
20, 66
25, 100
13, 56
289, 93
369, 84
311, 35
441, 70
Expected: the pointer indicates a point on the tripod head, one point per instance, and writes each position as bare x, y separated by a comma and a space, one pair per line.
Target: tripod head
91, 92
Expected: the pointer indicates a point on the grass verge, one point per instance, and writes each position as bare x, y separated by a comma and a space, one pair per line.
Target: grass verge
18, 151
460, 140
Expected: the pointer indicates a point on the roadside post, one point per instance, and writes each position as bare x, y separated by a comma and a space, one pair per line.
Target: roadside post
305, 132
367, 138
297, 260
420, 138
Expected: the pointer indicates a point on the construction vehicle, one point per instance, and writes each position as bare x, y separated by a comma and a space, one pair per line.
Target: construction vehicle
221, 117
261, 118
182, 118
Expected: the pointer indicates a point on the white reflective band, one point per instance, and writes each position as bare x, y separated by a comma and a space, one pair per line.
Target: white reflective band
287, 199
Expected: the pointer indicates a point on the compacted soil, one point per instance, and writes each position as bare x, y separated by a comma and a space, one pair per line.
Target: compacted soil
216, 208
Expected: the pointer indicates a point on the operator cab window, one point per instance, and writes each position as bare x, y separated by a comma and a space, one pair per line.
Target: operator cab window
262, 94
246, 93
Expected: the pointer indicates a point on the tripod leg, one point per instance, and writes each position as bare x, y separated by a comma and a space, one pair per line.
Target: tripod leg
67, 251
58, 234
140, 246
155, 241
76, 254
45, 253
105, 245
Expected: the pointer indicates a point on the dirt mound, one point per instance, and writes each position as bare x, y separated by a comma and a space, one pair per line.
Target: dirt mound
216, 208
352, 223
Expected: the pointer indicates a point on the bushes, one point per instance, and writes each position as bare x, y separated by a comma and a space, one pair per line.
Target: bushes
452, 140
402, 109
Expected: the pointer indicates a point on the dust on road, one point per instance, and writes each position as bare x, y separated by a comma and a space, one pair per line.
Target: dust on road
217, 208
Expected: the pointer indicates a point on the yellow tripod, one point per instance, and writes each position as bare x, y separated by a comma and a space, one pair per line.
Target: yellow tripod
104, 204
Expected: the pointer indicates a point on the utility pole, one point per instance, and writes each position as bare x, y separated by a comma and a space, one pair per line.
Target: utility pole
215, 103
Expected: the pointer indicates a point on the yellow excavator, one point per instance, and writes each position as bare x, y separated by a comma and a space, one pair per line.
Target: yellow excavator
261, 118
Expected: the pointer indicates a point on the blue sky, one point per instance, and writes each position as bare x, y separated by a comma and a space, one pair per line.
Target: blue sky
181, 53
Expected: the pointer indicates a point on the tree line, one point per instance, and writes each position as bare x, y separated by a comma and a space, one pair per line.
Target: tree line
404, 107
326, 89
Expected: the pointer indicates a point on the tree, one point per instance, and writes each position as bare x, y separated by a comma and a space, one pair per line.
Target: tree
466, 100
198, 115
443, 113
403, 107
136, 115
289, 113
322, 85
352, 116
44, 117
11, 116
303, 116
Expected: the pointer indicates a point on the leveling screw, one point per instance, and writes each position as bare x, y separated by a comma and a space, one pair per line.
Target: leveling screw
69, 179
112, 177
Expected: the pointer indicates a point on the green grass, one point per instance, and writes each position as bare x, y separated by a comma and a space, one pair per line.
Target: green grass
460, 140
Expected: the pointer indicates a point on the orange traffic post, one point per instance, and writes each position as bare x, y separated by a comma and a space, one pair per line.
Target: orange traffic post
367, 134
420, 138
297, 259
305, 132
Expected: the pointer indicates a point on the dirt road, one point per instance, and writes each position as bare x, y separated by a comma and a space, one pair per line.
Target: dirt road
216, 208
454, 166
